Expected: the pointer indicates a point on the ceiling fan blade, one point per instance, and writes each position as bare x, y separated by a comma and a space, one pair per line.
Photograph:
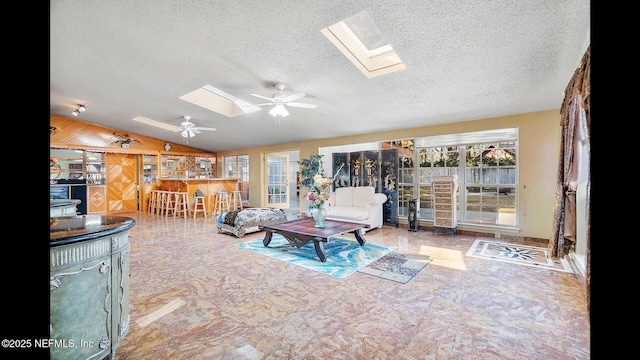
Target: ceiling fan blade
204, 128
263, 97
301, 105
263, 104
294, 96
155, 123
195, 131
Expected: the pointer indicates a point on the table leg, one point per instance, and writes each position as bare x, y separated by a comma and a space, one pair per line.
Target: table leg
267, 238
320, 250
360, 237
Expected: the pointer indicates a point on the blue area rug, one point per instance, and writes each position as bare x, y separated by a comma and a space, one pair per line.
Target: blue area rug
344, 256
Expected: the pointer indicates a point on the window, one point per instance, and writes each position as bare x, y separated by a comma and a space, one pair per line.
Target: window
238, 167
485, 163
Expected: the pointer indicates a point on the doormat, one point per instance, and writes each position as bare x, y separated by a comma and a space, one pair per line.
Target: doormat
344, 256
517, 254
397, 267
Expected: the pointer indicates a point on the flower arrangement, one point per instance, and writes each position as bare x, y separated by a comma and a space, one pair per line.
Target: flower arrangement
319, 191
52, 161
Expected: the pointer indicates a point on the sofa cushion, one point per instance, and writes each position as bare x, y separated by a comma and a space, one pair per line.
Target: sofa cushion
349, 212
362, 195
344, 196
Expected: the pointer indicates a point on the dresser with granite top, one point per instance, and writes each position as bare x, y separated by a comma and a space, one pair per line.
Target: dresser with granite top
89, 285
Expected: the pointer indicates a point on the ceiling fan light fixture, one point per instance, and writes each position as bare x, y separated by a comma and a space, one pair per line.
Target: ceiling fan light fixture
279, 110
281, 101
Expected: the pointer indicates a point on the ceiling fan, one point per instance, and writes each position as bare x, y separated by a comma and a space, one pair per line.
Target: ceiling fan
279, 100
190, 129
187, 129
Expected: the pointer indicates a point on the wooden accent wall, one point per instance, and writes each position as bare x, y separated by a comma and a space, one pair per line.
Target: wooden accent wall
75, 134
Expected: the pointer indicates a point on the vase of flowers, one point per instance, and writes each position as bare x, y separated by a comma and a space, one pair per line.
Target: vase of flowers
319, 215
318, 194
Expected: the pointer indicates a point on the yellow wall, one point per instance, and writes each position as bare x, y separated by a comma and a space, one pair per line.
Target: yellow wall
539, 146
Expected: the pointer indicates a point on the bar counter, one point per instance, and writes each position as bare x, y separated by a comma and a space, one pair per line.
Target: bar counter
209, 187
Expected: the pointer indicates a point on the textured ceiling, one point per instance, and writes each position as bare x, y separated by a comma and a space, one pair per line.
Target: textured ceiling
464, 60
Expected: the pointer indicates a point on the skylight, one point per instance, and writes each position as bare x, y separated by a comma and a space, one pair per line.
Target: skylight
219, 101
364, 45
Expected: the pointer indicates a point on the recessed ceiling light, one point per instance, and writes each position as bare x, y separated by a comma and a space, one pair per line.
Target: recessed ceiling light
360, 40
219, 101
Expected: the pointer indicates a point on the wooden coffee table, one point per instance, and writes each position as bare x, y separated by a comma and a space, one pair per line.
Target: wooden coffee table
301, 231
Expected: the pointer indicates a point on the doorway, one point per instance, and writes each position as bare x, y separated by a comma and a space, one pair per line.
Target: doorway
122, 192
281, 185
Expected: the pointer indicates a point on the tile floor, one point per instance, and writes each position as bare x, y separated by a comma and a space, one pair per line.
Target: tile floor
194, 295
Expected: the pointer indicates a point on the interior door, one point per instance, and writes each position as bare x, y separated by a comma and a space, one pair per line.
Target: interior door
277, 184
122, 189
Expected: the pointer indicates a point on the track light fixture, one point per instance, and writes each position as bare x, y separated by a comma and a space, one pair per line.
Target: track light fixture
77, 111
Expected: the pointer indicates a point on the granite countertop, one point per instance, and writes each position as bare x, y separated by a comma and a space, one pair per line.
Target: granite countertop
63, 202
71, 229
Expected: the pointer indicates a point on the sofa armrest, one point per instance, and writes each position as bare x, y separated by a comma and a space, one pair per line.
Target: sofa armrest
378, 198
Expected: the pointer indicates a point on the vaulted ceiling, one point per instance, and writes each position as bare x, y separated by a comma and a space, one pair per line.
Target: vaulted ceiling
464, 60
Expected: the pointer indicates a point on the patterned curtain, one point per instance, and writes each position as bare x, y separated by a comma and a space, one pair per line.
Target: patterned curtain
576, 127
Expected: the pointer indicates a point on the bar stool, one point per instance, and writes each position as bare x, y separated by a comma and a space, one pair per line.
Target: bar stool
153, 201
199, 206
169, 203
160, 202
235, 199
222, 203
182, 204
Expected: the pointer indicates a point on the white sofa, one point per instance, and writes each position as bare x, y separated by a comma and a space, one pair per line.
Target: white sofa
359, 204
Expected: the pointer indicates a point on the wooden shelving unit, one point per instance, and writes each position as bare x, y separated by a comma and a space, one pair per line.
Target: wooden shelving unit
187, 167
149, 169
